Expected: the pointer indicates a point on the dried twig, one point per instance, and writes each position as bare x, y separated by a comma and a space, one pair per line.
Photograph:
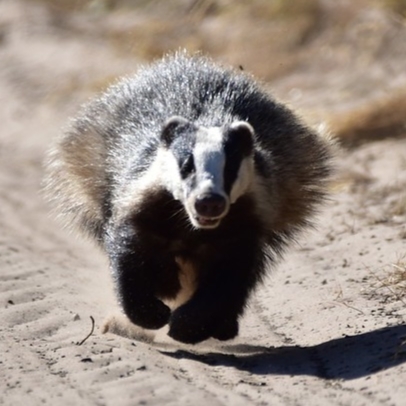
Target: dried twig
91, 332
341, 300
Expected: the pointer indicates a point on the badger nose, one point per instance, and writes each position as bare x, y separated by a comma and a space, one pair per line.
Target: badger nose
210, 205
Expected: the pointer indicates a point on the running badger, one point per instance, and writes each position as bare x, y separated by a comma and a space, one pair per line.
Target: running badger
193, 180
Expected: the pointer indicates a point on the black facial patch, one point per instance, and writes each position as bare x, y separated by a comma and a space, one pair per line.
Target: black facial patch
187, 166
182, 149
238, 144
179, 135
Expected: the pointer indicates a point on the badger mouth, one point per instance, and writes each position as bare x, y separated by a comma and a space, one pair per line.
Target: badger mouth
207, 222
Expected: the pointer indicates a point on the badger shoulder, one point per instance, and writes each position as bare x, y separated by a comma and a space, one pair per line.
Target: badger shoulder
294, 164
81, 165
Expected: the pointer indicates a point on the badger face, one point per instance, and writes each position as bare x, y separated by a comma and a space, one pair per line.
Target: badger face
212, 167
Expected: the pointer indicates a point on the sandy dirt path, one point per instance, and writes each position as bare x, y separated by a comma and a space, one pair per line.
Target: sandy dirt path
328, 328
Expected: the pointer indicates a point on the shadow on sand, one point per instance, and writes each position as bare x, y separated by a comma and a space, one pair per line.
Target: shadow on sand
346, 358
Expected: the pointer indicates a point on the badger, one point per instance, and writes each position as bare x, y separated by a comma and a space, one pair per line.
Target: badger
193, 180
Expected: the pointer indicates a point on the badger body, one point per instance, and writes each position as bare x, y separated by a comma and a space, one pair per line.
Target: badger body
193, 180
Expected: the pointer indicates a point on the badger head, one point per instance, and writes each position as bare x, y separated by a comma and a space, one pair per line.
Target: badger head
210, 167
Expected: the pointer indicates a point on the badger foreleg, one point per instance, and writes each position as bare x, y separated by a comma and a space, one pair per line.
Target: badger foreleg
136, 270
223, 289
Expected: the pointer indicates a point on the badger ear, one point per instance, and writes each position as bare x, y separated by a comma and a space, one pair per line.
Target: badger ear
171, 128
242, 134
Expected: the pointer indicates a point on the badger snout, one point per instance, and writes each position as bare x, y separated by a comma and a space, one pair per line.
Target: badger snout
210, 205
209, 208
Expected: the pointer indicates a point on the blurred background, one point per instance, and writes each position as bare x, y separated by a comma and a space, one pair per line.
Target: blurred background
337, 62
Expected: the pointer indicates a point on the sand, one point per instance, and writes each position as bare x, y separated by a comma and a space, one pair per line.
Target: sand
326, 328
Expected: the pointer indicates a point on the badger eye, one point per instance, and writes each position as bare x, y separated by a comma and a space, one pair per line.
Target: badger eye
187, 167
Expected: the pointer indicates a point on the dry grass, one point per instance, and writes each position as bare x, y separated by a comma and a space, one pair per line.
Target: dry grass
397, 6
65, 5
392, 285
271, 39
376, 119
263, 9
264, 36
250, 34
255, 8
399, 207
395, 281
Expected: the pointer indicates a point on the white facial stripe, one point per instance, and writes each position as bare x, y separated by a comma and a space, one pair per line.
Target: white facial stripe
132, 193
167, 167
244, 179
209, 161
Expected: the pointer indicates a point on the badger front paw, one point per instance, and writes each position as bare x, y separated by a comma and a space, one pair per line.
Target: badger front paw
190, 325
151, 314
226, 329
